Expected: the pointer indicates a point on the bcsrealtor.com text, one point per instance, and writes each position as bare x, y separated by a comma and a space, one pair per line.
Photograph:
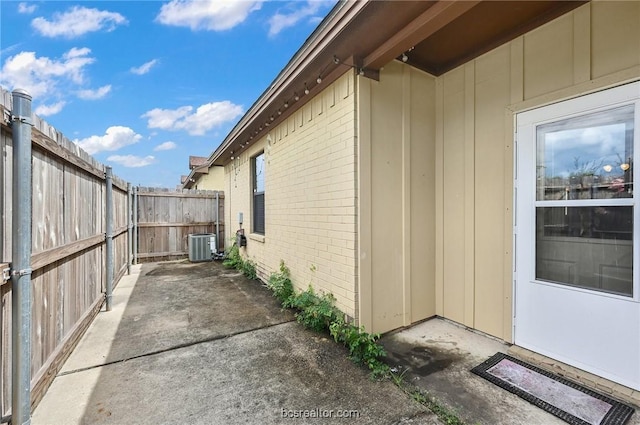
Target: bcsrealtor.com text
318, 413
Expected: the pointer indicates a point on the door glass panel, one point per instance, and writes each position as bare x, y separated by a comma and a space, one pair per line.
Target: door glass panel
587, 157
587, 247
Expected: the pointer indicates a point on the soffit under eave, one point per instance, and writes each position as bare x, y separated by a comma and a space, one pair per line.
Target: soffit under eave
433, 31
302, 70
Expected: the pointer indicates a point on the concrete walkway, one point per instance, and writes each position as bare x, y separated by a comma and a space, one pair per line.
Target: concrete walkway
199, 344
438, 355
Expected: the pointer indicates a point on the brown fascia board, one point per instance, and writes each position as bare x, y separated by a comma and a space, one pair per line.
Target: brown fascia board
342, 14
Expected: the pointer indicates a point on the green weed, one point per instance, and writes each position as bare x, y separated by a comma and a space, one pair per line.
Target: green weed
280, 283
234, 260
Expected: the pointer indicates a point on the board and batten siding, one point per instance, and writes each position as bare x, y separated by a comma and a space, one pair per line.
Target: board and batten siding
396, 133
435, 170
310, 196
594, 47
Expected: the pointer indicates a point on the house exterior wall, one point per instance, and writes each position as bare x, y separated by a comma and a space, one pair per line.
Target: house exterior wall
212, 181
396, 188
594, 47
310, 196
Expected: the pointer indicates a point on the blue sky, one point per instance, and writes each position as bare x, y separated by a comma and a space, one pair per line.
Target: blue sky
141, 85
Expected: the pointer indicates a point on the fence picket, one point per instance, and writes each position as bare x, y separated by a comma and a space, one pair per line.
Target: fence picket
68, 244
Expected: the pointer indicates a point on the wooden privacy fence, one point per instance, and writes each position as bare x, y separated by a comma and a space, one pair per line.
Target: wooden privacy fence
166, 218
68, 248
69, 243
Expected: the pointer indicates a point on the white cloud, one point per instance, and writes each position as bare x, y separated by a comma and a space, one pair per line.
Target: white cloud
166, 146
144, 68
40, 75
25, 8
216, 15
132, 161
280, 21
114, 138
206, 117
47, 110
78, 21
98, 93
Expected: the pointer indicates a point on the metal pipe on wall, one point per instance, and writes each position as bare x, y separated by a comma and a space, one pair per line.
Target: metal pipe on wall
21, 259
217, 221
109, 236
129, 228
135, 225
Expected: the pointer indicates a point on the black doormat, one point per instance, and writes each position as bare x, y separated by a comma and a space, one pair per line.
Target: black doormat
561, 397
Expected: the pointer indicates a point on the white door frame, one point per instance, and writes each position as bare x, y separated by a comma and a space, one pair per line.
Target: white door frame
605, 327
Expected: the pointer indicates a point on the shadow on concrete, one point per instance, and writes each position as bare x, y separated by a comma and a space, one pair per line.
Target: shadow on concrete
200, 344
178, 304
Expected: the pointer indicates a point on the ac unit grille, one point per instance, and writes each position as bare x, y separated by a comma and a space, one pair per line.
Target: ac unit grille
202, 246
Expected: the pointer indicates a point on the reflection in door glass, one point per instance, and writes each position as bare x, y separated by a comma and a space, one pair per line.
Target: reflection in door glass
587, 247
588, 157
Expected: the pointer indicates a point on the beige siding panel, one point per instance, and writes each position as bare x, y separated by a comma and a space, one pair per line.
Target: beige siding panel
492, 93
454, 195
422, 195
400, 125
386, 205
364, 201
615, 36
591, 48
439, 198
548, 57
214, 180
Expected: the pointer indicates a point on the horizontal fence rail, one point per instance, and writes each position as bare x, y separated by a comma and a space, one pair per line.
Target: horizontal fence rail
68, 247
165, 219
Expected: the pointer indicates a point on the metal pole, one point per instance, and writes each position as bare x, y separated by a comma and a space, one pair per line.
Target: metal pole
129, 228
217, 221
109, 235
21, 264
135, 225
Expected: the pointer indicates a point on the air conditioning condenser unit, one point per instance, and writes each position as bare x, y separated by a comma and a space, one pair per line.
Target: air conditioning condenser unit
202, 246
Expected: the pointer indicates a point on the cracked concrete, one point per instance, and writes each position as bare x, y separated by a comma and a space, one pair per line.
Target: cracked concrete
200, 344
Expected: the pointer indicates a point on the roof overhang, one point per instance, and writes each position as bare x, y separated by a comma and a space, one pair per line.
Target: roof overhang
194, 175
436, 36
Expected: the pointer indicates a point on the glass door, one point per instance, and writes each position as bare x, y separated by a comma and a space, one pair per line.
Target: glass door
584, 201
576, 290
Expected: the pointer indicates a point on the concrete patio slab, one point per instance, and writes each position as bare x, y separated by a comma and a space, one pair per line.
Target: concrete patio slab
199, 344
438, 356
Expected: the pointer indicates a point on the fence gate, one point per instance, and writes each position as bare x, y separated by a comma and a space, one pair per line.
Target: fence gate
165, 219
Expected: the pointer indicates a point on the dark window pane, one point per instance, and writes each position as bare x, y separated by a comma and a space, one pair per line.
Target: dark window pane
258, 213
588, 247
